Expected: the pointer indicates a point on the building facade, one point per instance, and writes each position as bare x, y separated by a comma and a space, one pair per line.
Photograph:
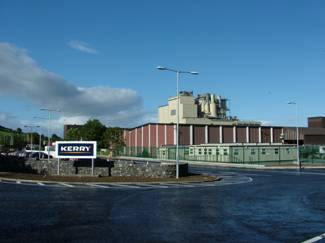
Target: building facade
155, 135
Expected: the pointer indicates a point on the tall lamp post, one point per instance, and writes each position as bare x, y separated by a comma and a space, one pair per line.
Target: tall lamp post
40, 137
31, 135
297, 132
48, 129
178, 72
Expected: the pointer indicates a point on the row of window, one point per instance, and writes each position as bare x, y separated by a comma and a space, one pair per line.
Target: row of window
236, 151
208, 151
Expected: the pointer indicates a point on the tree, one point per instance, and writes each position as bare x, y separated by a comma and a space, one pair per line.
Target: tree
113, 139
18, 130
55, 138
93, 130
73, 134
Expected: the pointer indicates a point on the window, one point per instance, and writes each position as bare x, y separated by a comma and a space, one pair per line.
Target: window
236, 152
191, 151
173, 112
210, 151
200, 151
276, 151
205, 151
252, 151
288, 151
217, 151
225, 152
263, 151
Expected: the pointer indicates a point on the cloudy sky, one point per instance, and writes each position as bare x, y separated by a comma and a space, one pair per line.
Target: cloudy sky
98, 60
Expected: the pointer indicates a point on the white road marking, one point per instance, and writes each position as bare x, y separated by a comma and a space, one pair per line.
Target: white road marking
124, 185
95, 185
317, 238
65, 184
255, 174
157, 186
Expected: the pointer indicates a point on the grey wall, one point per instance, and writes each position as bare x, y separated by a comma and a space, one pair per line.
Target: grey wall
105, 168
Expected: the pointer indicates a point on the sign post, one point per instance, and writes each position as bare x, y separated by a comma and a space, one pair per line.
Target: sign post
76, 150
58, 166
92, 166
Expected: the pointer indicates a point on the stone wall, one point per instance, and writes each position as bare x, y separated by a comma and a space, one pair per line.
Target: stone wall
107, 168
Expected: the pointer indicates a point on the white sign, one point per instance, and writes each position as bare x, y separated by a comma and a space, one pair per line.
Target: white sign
76, 149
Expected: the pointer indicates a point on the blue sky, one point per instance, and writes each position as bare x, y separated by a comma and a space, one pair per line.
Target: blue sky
260, 54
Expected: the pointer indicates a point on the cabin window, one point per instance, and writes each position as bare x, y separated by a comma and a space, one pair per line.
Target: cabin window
252, 151
225, 152
276, 151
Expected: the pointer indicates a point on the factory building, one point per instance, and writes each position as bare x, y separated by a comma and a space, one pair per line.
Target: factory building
205, 109
205, 120
163, 134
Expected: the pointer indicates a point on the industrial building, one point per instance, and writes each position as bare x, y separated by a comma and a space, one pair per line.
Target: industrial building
204, 121
209, 109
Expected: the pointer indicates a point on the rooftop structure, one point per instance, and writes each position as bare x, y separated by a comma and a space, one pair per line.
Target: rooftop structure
204, 109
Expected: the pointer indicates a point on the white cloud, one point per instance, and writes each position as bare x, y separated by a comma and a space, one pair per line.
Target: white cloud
82, 46
22, 77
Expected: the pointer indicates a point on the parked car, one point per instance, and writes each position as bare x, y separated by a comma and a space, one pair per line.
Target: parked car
37, 155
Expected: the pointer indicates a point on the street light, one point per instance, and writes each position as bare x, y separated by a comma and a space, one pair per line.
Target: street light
31, 135
297, 132
178, 72
48, 129
40, 137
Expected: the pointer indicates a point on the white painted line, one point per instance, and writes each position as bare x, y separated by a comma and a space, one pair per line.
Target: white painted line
65, 184
121, 185
124, 185
159, 186
317, 238
40, 183
95, 185
18, 182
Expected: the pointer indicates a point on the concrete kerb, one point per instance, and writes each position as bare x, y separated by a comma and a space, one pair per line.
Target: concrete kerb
108, 183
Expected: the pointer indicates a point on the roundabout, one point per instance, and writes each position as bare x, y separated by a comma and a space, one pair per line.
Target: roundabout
245, 206
205, 181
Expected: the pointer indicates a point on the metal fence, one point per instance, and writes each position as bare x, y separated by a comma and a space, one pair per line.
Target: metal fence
312, 154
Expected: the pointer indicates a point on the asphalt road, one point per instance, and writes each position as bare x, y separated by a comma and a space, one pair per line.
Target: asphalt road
253, 206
